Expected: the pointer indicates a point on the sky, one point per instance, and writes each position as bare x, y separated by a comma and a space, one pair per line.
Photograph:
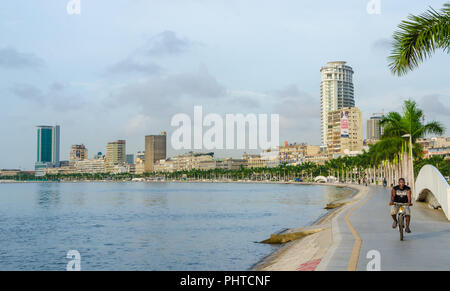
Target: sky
122, 69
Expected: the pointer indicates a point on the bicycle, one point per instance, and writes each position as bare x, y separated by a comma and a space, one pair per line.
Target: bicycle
401, 217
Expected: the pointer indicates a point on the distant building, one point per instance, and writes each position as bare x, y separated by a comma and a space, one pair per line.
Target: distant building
78, 153
253, 161
130, 159
99, 155
271, 157
374, 130
155, 150
294, 154
140, 163
140, 157
115, 155
231, 164
435, 146
345, 135
64, 163
9, 172
336, 92
186, 162
48, 143
90, 166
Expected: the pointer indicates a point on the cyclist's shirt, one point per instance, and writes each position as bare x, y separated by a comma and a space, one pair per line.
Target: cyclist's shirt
401, 194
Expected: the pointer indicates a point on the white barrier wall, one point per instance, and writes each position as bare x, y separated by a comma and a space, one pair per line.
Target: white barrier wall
431, 182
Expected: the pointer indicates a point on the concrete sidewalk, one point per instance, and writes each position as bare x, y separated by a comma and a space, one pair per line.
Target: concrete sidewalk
426, 248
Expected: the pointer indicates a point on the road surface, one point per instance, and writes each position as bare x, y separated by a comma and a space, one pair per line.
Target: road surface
426, 248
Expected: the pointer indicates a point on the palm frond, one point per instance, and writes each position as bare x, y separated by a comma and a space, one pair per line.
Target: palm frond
418, 38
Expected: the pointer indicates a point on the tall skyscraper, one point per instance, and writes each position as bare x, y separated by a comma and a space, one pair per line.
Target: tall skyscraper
155, 150
336, 92
47, 146
374, 130
115, 154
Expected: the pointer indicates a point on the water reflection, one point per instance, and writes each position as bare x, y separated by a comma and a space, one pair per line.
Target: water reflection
48, 194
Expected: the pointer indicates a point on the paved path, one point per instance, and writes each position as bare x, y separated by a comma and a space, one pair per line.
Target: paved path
426, 248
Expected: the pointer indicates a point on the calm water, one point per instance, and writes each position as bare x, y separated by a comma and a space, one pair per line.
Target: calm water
142, 226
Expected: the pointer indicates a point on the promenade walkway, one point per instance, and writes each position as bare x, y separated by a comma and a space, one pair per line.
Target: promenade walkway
426, 248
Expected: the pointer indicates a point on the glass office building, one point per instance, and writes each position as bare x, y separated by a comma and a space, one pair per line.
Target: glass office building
47, 147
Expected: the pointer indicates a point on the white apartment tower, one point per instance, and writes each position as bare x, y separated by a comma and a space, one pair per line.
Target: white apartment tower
336, 92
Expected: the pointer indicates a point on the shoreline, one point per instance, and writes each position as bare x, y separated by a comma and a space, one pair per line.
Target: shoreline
308, 252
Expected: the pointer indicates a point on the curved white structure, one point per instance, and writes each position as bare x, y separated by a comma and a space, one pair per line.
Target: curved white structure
432, 187
320, 179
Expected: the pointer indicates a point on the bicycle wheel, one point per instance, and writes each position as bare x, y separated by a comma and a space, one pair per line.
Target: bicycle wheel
400, 225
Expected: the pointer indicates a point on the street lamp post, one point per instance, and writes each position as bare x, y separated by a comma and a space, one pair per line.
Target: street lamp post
412, 163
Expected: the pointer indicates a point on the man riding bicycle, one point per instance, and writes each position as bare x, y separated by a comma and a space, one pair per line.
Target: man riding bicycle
401, 194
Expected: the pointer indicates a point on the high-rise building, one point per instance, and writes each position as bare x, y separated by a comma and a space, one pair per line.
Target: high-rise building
374, 130
336, 92
78, 152
155, 150
48, 139
115, 155
345, 134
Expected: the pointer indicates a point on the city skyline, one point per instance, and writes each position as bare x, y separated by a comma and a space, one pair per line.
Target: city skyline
135, 79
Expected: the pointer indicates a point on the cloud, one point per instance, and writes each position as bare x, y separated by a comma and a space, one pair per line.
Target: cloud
166, 43
132, 66
299, 114
171, 89
57, 96
432, 104
10, 58
382, 44
27, 92
137, 125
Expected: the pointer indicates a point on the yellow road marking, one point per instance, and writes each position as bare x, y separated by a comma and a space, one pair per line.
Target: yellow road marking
353, 261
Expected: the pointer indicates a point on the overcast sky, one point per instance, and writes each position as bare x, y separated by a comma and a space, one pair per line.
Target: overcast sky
122, 69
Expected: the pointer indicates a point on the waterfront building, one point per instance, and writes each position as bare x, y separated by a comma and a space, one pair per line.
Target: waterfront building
320, 158
253, 161
231, 164
294, 154
78, 153
115, 155
120, 169
9, 172
155, 150
317, 157
186, 162
66, 169
164, 166
345, 135
336, 92
139, 168
140, 163
271, 157
48, 142
191, 161
90, 166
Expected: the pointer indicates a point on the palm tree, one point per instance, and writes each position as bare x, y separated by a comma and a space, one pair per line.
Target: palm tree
395, 125
418, 38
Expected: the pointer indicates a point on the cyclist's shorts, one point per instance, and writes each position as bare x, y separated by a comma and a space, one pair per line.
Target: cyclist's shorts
394, 209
